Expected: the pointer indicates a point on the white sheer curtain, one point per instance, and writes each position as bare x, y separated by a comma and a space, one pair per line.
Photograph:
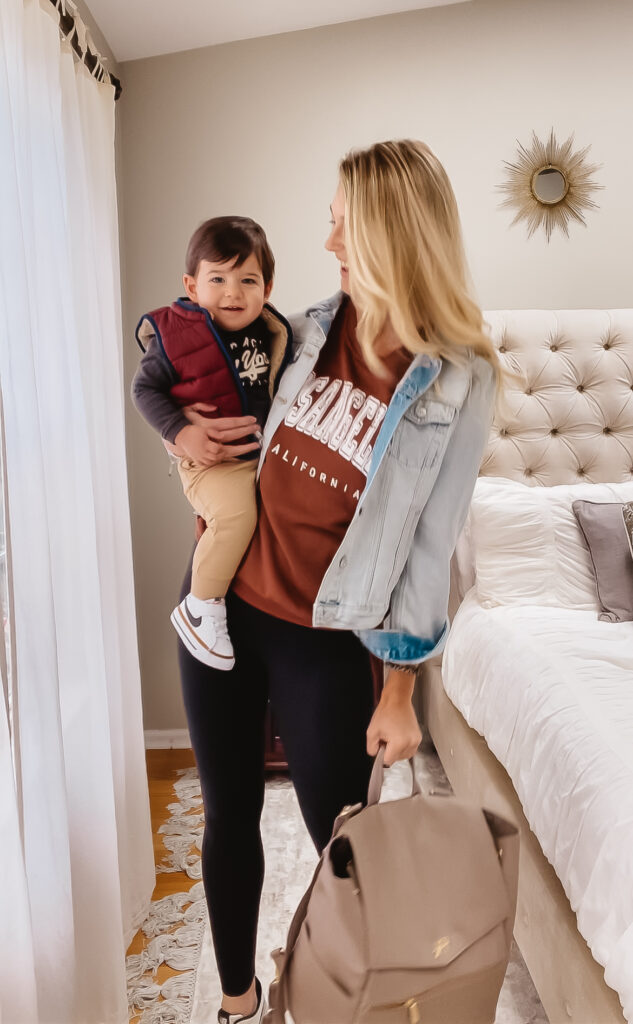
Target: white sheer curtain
75, 836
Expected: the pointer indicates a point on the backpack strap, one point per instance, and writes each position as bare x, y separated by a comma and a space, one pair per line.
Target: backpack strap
278, 992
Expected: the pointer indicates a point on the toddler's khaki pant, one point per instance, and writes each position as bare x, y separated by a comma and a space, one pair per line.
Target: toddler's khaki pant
224, 495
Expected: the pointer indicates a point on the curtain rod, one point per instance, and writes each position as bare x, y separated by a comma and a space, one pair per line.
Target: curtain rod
74, 31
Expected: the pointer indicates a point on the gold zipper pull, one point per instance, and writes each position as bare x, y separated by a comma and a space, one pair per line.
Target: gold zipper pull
414, 1011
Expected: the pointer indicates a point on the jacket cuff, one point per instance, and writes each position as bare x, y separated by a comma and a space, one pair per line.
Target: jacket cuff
402, 650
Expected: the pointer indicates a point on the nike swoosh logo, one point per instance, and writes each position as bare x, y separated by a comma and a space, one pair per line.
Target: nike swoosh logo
199, 640
192, 618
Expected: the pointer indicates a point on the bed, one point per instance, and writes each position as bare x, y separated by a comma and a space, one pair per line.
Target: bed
531, 707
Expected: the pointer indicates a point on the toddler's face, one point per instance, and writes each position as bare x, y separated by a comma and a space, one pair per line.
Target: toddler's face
234, 296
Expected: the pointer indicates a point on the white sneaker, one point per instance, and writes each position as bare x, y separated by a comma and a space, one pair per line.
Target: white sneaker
201, 625
255, 1018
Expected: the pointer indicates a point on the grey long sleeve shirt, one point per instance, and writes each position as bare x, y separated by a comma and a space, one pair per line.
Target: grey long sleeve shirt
150, 392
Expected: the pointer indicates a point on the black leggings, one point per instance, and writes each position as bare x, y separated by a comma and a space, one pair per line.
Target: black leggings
320, 687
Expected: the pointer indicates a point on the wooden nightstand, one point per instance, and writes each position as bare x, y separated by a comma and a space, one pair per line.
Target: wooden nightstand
274, 756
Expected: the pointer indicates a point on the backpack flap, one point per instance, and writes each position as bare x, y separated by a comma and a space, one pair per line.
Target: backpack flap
430, 880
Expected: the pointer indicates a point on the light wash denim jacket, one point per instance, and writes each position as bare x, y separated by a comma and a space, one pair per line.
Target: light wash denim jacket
389, 579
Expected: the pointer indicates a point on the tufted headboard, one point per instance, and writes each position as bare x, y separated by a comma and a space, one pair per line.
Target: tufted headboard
570, 417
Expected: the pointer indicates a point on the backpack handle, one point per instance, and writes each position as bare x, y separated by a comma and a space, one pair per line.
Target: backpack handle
378, 775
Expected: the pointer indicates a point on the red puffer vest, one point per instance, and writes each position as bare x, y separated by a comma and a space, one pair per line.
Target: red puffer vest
189, 342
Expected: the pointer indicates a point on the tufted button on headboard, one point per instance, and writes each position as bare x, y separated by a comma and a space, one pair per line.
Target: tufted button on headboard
569, 418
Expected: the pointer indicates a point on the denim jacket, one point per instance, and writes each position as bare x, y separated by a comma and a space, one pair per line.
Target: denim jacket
389, 579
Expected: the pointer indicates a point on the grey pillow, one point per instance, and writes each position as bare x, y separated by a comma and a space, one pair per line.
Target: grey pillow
627, 515
603, 527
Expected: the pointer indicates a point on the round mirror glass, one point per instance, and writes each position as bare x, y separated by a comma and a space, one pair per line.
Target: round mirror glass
549, 185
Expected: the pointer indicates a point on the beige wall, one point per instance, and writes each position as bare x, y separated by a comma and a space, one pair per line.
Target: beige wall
257, 128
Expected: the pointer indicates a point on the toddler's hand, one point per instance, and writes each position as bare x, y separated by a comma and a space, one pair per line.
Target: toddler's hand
198, 446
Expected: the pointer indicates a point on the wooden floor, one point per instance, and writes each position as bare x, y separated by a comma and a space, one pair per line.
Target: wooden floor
162, 769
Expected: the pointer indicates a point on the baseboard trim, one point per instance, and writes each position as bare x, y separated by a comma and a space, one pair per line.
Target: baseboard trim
167, 739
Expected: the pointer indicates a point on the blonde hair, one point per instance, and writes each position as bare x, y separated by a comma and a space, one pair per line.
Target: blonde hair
406, 256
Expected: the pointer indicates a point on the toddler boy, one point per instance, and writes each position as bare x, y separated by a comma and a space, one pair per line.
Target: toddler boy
222, 345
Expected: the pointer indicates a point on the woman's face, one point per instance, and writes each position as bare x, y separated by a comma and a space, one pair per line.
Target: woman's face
335, 241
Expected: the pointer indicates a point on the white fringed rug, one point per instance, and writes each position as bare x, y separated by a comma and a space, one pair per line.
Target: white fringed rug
193, 997
175, 924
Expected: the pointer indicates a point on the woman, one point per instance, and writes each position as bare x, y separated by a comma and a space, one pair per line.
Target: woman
369, 459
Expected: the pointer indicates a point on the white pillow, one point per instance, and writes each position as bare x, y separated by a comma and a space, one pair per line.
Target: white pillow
463, 563
527, 546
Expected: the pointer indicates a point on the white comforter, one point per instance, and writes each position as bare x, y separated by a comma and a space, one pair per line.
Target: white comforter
551, 690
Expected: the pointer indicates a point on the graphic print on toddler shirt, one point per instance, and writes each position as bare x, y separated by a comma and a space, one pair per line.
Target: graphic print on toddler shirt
251, 361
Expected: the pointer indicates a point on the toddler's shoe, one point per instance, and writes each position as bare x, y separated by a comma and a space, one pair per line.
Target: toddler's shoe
201, 625
255, 1018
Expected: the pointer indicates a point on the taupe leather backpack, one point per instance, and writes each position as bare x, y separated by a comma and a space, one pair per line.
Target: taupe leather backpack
408, 917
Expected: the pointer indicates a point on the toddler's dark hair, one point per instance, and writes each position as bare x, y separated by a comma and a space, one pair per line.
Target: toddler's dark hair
223, 238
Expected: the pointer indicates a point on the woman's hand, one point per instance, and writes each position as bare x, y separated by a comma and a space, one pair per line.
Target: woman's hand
223, 429
394, 721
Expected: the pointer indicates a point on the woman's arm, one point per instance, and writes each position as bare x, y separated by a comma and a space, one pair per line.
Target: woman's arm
394, 721
416, 625
417, 615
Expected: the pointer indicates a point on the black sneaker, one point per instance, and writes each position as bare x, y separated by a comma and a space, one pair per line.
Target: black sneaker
255, 1018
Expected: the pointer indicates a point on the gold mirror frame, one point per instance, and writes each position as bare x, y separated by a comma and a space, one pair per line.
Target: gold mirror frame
556, 213
547, 169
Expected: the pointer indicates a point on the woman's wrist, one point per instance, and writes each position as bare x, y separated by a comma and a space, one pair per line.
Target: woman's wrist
399, 684
173, 449
183, 433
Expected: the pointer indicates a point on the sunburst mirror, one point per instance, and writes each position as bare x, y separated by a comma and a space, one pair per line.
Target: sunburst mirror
550, 185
